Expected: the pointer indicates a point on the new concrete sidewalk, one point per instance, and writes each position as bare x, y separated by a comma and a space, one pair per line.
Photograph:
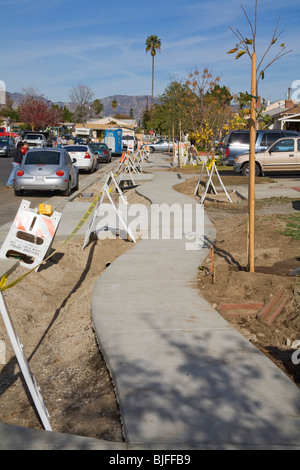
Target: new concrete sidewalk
185, 379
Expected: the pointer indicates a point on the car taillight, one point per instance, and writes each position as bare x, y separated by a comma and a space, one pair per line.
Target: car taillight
227, 152
60, 173
87, 155
20, 173
105, 151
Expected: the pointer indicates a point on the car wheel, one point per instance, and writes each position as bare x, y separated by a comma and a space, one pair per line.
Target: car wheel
76, 187
151, 149
67, 191
19, 192
245, 169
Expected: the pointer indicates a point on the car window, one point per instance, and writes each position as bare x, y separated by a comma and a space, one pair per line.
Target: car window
285, 145
290, 134
3, 141
239, 138
42, 158
298, 145
67, 158
98, 146
33, 137
76, 148
269, 138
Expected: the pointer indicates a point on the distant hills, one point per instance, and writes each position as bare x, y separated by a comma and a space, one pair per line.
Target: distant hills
138, 104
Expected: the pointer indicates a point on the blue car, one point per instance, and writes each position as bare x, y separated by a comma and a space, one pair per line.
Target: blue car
102, 151
7, 146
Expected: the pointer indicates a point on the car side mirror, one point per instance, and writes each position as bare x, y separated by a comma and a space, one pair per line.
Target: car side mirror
74, 160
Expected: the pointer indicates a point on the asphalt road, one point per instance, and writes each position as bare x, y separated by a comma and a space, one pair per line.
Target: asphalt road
10, 203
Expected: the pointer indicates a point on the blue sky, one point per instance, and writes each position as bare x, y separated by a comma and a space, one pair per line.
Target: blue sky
55, 45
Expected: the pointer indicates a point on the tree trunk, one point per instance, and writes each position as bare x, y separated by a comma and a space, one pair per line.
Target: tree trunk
152, 86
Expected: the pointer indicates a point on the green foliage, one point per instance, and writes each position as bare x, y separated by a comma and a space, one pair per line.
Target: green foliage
153, 44
97, 107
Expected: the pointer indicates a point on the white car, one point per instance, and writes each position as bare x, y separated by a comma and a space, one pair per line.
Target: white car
129, 141
86, 159
162, 145
35, 140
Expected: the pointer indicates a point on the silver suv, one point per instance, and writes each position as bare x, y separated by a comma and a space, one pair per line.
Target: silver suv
237, 142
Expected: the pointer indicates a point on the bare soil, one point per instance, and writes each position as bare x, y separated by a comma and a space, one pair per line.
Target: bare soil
51, 313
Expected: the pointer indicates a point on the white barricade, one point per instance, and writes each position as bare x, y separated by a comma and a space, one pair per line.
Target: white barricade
30, 236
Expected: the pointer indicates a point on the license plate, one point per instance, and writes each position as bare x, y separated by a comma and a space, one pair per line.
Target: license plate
39, 178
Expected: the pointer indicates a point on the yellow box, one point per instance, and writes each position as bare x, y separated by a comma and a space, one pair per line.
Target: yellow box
45, 209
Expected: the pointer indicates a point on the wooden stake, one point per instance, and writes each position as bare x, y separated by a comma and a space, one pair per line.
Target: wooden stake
251, 189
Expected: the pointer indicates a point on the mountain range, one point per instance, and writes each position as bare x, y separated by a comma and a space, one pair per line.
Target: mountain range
138, 104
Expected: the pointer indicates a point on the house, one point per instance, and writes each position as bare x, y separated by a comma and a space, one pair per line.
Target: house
98, 126
285, 115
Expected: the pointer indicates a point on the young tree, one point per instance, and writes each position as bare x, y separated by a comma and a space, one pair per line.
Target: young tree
247, 45
81, 97
153, 44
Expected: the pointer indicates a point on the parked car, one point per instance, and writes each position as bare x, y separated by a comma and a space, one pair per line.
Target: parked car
35, 140
237, 142
281, 157
6, 146
162, 145
46, 169
129, 141
86, 159
102, 151
79, 140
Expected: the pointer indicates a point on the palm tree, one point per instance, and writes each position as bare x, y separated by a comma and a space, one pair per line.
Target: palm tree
153, 44
114, 104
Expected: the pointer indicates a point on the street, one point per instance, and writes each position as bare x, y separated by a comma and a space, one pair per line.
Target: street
10, 203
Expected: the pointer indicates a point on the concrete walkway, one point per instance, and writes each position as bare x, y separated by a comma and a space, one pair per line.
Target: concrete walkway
184, 378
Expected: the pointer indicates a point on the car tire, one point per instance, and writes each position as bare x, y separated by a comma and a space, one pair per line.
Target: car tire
67, 191
19, 192
245, 169
76, 187
151, 149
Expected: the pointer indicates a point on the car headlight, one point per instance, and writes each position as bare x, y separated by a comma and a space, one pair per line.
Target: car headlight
236, 159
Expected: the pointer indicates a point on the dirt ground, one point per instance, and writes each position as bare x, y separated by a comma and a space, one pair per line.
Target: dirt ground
50, 310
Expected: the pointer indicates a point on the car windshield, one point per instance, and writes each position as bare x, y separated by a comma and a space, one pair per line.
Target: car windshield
3, 141
42, 158
33, 137
76, 148
98, 146
128, 137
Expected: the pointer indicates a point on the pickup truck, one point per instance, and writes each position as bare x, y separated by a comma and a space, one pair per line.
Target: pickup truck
281, 157
129, 141
35, 140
